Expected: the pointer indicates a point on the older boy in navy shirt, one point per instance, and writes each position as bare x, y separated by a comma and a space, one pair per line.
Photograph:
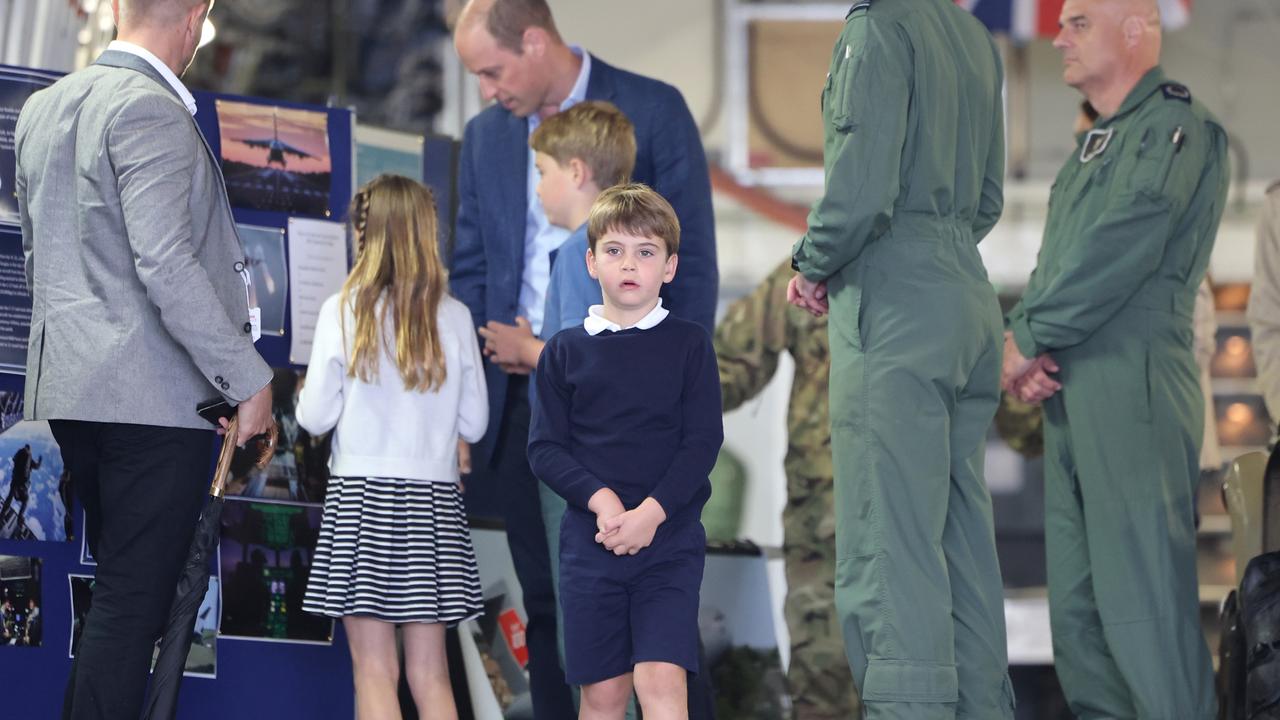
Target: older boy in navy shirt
626, 427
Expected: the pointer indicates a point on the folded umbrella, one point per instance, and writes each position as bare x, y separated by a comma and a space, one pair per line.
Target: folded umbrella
194, 582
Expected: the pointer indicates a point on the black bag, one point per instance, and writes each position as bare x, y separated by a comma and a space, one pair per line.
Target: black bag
1260, 614
1260, 618
1271, 503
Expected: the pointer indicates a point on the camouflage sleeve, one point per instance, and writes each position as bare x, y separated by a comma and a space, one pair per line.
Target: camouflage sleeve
750, 337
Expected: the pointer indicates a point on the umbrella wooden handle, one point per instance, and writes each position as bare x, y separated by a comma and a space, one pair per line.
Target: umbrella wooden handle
224, 458
266, 446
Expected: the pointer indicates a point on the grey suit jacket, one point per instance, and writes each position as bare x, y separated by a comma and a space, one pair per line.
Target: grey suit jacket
139, 309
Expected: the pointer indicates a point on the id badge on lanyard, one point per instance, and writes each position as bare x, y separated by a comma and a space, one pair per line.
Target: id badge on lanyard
255, 313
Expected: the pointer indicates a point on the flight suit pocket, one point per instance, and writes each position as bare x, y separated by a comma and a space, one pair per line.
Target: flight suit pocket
1144, 399
824, 98
1154, 164
859, 533
1138, 389
1093, 174
838, 112
843, 75
846, 307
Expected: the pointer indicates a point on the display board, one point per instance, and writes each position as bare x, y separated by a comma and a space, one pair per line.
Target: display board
440, 156
289, 171
381, 151
16, 85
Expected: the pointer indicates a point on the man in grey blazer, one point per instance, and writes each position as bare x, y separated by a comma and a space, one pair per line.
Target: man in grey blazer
140, 311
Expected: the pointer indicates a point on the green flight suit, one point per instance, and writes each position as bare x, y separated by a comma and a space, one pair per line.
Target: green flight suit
1132, 219
914, 160
753, 334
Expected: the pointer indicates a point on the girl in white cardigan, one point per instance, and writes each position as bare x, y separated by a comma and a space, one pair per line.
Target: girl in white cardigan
395, 372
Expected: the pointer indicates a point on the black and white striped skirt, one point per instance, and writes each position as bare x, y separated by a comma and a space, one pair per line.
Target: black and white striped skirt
395, 550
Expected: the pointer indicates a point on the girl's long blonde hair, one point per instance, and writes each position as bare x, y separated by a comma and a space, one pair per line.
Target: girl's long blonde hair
397, 270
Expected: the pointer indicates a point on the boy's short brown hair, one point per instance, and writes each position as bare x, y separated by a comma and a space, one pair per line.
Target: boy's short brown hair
595, 132
635, 209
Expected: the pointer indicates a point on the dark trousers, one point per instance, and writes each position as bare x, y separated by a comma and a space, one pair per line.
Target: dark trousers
527, 539
142, 488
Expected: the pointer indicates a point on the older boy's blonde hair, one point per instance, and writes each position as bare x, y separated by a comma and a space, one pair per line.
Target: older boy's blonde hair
595, 132
637, 210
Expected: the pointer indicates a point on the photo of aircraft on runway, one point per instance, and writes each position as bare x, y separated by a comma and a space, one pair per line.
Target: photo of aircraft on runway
275, 158
276, 147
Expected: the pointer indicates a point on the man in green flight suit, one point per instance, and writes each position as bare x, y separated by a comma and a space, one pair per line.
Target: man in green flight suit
1103, 335
914, 159
755, 331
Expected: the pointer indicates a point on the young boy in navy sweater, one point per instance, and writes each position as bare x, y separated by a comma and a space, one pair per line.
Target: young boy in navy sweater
626, 426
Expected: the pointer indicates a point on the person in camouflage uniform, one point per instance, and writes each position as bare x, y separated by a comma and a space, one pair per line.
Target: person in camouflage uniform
754, 332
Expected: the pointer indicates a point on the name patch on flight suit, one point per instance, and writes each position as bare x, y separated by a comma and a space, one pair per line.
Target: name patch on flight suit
1095, 143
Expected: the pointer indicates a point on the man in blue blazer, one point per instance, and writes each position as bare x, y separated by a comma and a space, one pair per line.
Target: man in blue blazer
502, 241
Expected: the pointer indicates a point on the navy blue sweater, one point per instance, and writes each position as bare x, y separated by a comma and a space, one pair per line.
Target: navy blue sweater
637, 411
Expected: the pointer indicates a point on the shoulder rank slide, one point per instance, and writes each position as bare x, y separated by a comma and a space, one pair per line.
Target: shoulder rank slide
1174, 91
860, 5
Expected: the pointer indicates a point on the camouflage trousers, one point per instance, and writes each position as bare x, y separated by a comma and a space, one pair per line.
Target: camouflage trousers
818, 676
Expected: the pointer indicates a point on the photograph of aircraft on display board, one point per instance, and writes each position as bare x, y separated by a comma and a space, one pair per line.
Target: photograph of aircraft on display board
275, 158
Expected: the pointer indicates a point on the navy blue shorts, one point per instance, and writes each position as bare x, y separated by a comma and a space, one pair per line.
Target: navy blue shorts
619, 611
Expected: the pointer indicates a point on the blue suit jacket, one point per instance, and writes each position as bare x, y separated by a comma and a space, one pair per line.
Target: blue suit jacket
488, 257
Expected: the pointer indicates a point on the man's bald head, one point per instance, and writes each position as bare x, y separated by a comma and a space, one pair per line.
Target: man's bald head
1144, 16
169, 29
474, 11
1148, 8
508, 20
514, 50
1107, 46
155, 13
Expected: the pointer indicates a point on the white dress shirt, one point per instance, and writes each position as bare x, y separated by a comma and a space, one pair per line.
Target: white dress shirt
540, 236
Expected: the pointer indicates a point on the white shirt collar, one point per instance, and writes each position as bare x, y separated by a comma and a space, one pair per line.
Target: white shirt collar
577, 93
596, 323
165, 72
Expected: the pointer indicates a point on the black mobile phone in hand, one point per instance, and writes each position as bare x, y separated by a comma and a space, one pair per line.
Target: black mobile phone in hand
215, 409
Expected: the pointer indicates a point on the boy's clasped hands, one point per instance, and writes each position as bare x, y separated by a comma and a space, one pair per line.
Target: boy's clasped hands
623, 531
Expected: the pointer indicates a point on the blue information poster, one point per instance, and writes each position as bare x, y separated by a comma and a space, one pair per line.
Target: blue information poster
15, 303
16, 85
386, 151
